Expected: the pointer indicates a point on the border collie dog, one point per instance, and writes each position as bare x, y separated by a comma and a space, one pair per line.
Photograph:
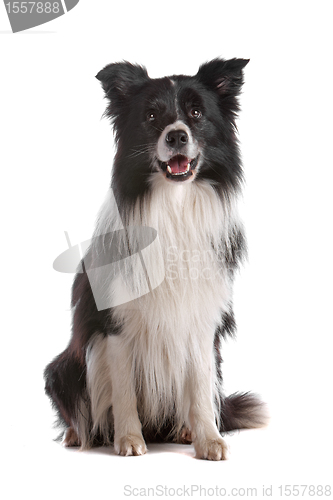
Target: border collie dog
152, 297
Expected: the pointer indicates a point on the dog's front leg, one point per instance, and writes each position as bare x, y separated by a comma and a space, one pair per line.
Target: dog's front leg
207, 440
128, 439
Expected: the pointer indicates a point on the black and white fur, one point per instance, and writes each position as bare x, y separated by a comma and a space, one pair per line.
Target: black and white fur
151, 368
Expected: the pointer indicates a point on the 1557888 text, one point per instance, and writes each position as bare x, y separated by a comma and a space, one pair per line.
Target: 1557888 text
33, 7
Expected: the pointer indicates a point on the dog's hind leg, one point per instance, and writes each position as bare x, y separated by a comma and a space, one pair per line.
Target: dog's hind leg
185, 436
71, 438
65, 384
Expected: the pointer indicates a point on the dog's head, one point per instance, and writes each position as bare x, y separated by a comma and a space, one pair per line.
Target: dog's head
179, 127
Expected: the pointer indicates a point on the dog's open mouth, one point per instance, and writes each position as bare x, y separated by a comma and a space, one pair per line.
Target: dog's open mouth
179, 167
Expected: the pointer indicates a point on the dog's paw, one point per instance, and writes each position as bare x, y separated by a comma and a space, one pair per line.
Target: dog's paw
70, 438
185, 436
130, 445
211, 449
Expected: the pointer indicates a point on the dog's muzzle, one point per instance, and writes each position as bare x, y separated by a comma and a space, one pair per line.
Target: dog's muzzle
178, 152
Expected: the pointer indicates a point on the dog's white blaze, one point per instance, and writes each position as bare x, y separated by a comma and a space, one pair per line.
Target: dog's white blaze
165, 347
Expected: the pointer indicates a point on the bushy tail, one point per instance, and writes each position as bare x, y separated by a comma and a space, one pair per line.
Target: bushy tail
243, 411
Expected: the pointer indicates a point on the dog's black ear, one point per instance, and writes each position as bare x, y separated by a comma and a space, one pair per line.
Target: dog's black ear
119, 79
223, 76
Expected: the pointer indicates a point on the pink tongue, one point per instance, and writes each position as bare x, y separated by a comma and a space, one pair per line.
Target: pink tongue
178, 164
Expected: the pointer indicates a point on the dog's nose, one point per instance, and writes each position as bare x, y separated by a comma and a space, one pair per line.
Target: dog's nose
176, 139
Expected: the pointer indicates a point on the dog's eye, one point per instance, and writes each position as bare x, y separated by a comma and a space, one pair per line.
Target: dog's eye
196, 113
151, 117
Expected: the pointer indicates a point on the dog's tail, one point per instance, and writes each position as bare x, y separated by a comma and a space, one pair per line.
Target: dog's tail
243, 411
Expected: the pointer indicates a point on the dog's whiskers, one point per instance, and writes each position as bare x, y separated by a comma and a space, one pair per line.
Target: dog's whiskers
145, 149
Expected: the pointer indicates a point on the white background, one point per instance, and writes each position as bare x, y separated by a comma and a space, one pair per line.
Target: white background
56, 155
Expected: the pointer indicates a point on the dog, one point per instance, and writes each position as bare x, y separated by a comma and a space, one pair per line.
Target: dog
152, 299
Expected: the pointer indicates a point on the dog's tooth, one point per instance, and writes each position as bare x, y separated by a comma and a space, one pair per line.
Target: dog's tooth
169, 169
188, 167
